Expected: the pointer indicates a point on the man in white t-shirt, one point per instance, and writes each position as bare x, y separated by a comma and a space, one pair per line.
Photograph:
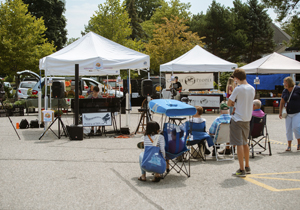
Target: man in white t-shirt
242, 99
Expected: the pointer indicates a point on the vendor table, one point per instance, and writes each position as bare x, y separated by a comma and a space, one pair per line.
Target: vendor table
33, 103
265, 101
206, 101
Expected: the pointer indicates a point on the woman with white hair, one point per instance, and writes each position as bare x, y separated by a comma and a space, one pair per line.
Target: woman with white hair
257, 112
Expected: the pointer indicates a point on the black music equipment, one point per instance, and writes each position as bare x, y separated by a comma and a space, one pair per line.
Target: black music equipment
147, 87
90, 105
58, 89
75, 132
34, 124
135, 86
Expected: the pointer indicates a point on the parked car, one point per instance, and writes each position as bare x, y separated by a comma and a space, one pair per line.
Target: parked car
24, 87
88, 82
113, 83
7, 84
38, 87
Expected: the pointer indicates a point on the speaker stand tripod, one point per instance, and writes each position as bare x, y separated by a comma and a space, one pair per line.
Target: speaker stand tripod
10, 119
145, 113
60, 123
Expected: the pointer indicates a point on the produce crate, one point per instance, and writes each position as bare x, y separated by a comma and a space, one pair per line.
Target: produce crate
268, 109
19, 113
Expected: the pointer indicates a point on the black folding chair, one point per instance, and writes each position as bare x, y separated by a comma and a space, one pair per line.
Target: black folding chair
258, 135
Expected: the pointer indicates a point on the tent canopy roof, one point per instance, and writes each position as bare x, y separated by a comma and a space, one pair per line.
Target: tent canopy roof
95, 55
198, 60
273, 64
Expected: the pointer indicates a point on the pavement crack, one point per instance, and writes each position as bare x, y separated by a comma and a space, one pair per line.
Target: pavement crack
136, 190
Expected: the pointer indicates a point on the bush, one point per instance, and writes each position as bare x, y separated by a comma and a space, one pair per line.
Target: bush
9, 78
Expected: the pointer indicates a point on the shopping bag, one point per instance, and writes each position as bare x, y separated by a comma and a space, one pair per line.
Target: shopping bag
153, 160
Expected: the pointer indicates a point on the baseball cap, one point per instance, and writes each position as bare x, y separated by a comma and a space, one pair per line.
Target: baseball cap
176, 77
224, 106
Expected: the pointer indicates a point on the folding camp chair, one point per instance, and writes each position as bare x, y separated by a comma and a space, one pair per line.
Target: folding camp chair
257, 127
176, 152
197, 138
222, 137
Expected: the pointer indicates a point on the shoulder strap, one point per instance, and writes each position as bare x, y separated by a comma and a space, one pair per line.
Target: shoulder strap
154, 143
291, 94
150, 138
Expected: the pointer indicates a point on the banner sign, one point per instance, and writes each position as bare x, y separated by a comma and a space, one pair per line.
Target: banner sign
96, 119
205, 101
193, 80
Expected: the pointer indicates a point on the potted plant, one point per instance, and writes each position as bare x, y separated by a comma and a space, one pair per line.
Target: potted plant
58, 113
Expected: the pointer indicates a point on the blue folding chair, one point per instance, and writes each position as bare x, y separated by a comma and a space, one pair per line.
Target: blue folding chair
177, 152
197, 139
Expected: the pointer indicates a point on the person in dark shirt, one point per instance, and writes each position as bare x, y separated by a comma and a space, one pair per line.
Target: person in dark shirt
95, 94
291, 100
178, 87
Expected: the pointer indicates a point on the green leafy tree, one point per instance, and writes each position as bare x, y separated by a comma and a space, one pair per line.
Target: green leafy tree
170, 40
287, 9
146, 8
167, 10
292, 27
219, 28
52, 11
135, 22
70, 41
259, 31
222, 37
22, 41
111, 21
284, 8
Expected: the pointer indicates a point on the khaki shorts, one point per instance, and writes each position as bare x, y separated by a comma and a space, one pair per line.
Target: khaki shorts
239, 132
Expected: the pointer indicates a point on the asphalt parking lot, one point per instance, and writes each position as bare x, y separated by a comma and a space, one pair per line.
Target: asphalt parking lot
102, 173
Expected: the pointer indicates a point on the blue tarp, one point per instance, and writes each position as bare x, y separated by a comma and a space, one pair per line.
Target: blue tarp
267, 81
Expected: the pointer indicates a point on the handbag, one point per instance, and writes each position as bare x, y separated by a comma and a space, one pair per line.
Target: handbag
153, 160
284, 112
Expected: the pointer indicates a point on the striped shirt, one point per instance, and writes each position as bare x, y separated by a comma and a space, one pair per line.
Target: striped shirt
160, 143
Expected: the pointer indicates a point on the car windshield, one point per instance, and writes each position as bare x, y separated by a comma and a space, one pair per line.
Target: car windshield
27, 85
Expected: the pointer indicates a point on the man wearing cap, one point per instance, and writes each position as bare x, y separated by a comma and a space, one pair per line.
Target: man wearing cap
178, 87
242, 99
223, 118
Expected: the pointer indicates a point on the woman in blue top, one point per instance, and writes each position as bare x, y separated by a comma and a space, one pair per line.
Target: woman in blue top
291, 100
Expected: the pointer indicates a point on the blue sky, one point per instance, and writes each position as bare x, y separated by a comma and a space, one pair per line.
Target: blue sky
78, 12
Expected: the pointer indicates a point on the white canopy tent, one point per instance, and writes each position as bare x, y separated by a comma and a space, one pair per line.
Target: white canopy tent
273, 64
198, 60
96, 56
